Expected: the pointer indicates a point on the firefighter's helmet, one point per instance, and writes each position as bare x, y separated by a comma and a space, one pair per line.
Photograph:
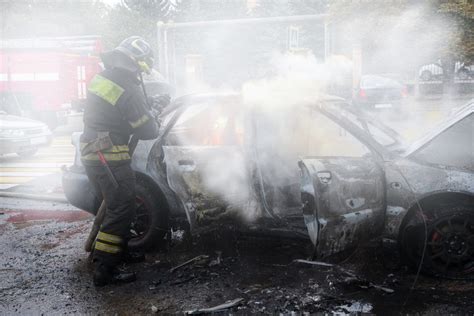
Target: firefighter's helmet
139, 50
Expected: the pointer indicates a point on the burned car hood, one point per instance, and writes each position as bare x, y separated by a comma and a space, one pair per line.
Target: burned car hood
399, 147
370, 130
455, 116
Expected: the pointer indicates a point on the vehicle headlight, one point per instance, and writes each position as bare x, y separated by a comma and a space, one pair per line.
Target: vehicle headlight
12, 133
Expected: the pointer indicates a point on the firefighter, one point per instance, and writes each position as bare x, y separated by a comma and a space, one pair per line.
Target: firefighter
116, 110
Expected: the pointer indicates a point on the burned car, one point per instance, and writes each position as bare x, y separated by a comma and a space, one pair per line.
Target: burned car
320, 170
420, 195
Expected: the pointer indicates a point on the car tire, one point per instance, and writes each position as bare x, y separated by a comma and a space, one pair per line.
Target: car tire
27, 153
426, 75
449, 234
150, 223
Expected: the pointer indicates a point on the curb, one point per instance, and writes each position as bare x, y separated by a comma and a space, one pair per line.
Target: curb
39, 197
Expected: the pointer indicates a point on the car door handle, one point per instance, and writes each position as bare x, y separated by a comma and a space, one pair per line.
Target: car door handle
186, 162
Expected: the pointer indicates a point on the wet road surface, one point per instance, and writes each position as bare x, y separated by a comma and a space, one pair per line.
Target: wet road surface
44, 269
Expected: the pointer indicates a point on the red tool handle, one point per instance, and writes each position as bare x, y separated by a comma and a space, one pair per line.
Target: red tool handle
102, 158
110, 174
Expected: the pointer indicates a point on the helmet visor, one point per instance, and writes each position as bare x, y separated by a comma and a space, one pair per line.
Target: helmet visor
139, 48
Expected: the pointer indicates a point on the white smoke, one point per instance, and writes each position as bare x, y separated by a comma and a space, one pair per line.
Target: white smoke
271, 117
278, 126
298, 79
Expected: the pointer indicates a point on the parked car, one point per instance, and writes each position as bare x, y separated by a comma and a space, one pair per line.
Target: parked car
217, 162
377, 92
435, 71
21, 135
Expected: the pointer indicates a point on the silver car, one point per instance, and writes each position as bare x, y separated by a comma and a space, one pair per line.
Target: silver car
22, 136
318, 170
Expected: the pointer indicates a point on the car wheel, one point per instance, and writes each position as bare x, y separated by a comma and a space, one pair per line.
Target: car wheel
150, 223
450, 242
426, 75
27, 153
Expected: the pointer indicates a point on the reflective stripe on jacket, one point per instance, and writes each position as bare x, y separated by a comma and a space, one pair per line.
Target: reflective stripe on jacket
105, 89
116, 104
115, 153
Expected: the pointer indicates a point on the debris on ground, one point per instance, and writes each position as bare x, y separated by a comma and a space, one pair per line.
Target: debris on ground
316, 263
43, 259
198, 258
217, 261
217, 308
351, 278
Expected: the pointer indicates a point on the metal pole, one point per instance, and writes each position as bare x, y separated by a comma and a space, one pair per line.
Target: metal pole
327, 41
416, 89
294, 18
165, 54
161, 40
171, 55
357, 67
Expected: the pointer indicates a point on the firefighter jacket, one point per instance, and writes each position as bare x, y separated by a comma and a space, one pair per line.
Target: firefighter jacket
115, 105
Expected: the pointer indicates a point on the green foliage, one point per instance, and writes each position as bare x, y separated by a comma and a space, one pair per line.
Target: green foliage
121, 22
268, 8
452, 22
448, 25
48, 18
461, 12
160, 10
191, 10
365, 16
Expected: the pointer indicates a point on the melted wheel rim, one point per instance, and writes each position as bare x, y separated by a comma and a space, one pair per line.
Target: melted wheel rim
450, 247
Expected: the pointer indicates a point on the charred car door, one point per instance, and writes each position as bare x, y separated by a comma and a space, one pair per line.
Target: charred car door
342, 186
205, 164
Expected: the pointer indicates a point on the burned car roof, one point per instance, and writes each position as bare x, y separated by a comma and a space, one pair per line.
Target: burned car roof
401, 147
336, 107
356, 121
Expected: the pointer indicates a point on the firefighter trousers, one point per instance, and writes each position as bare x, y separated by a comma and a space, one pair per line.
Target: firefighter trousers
111, 243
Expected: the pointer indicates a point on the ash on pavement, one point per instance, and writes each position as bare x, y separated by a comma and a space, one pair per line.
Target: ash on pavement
44, 269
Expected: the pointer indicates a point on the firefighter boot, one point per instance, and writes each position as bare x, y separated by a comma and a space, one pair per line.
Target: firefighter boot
104, 275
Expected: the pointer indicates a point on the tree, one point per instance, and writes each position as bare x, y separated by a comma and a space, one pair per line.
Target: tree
155, 9
407, 34
461, 12
201, 10
50, 18
121, 22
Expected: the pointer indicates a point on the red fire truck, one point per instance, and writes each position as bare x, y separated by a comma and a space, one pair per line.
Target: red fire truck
44, 78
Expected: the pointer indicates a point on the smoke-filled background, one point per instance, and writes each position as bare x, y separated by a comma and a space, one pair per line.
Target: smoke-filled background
280, 57
394, 36
270, 71
283, 65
